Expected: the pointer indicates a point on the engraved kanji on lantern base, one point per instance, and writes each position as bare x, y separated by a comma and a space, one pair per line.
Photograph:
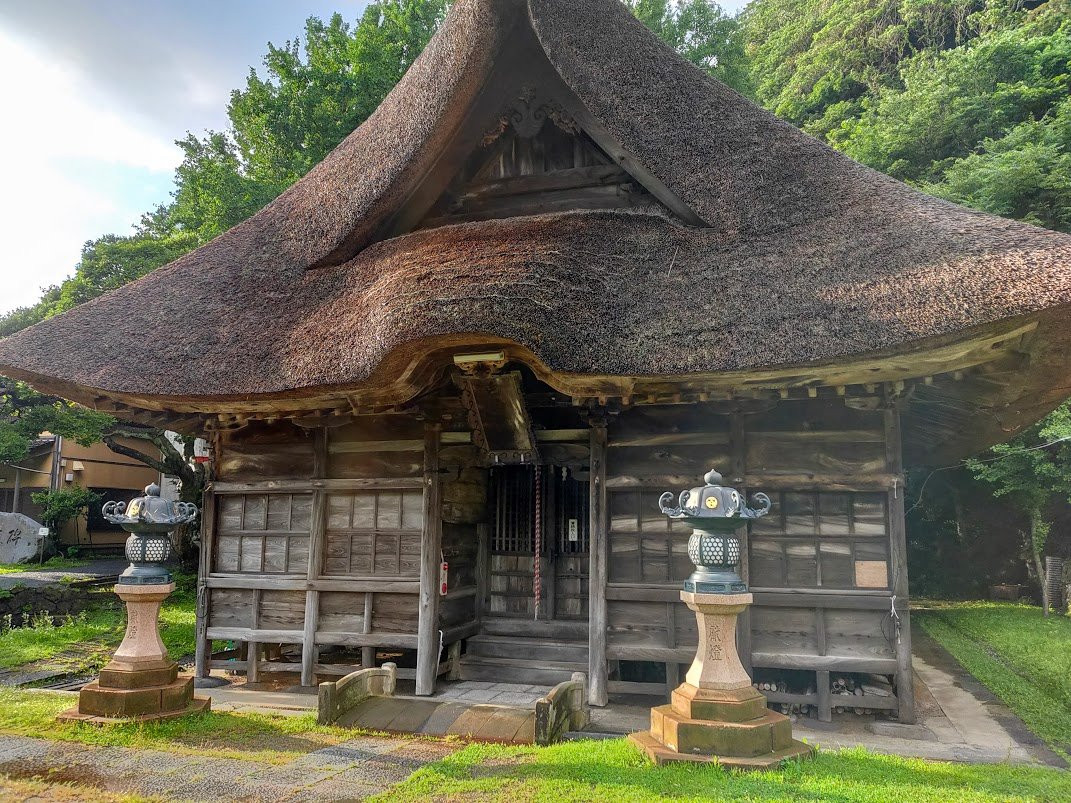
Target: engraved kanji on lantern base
140, 682
716, 715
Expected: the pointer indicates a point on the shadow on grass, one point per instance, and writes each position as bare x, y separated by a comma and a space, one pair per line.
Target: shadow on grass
616, 771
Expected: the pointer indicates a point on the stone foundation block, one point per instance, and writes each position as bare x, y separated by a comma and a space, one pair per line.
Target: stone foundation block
660, 754
737, 705
97, 701
121, 678
769, 733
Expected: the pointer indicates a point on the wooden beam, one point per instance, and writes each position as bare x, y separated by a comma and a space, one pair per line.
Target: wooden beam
430, 558
842, 663
368, 653
252, 664
297, 486
597, 575
403, 641
635, 652
256, 634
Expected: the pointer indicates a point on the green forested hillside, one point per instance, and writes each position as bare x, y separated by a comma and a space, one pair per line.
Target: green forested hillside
968, 99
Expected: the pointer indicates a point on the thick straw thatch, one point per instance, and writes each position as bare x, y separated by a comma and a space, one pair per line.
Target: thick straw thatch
807, 255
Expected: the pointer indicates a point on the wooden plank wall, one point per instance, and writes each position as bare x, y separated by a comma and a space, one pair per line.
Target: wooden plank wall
823, 566
314, 538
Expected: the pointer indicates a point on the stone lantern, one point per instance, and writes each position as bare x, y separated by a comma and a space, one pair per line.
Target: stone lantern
141, 681
716, 715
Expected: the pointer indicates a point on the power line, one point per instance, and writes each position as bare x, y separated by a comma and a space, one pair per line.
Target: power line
961, 463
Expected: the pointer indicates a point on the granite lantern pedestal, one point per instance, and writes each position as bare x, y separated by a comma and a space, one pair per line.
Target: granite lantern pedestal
716, 715
141, 682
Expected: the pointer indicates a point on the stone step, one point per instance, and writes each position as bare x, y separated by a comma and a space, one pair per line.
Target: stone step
558, 629
528, 649
512, 670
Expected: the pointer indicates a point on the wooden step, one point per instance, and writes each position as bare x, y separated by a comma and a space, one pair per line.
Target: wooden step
527, 649
508, 670
557, 629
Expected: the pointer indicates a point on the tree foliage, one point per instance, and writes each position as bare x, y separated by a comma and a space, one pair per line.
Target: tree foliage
317, 91
701, 32
61, 506
1032, 472
25, 414
967, 99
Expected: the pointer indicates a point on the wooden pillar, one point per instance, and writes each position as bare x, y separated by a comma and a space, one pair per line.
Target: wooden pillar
18, 492
905, 688
597, 613
453, 660
252, 659
317, 526
825, 702
483, 567
430, 558
368, 654
203, 647
738, 471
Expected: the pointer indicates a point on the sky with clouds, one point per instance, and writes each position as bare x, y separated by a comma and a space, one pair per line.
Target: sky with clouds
94, 94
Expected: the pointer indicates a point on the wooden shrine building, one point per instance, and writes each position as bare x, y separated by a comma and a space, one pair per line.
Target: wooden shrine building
558, 272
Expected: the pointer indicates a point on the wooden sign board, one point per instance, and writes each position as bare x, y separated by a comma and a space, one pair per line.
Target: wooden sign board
871, 574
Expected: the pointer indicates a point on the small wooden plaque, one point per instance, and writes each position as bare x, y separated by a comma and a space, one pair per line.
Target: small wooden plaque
871, 574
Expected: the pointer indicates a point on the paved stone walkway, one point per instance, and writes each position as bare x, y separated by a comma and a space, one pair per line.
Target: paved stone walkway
481, 691
90, 570
958, 720
349, 771
431, 717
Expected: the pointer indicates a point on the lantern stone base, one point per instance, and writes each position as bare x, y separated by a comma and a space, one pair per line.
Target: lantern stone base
140, 682
731, 729
716, 715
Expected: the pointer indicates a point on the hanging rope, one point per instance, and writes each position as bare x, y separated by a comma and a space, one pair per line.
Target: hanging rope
537, 579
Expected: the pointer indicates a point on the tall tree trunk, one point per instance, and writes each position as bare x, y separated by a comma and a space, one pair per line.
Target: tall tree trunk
1036, 550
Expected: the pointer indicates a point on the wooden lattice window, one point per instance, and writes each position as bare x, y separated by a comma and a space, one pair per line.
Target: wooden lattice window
827, 540
645, 545
263, 533
563, 512
373, 533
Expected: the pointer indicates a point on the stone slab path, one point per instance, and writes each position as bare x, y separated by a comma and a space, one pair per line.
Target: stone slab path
90, 570
958, 720
349, 771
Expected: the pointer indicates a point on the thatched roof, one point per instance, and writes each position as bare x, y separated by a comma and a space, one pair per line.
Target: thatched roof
805, 255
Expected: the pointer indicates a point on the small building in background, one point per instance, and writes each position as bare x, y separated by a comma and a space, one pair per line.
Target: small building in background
55, 463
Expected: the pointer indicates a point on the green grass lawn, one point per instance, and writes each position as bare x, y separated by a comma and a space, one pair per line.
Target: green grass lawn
1022, 657
250, 736
596, 770
98, 631
615, 771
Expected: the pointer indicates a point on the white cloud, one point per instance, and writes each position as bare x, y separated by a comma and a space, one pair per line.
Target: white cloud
54, 122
